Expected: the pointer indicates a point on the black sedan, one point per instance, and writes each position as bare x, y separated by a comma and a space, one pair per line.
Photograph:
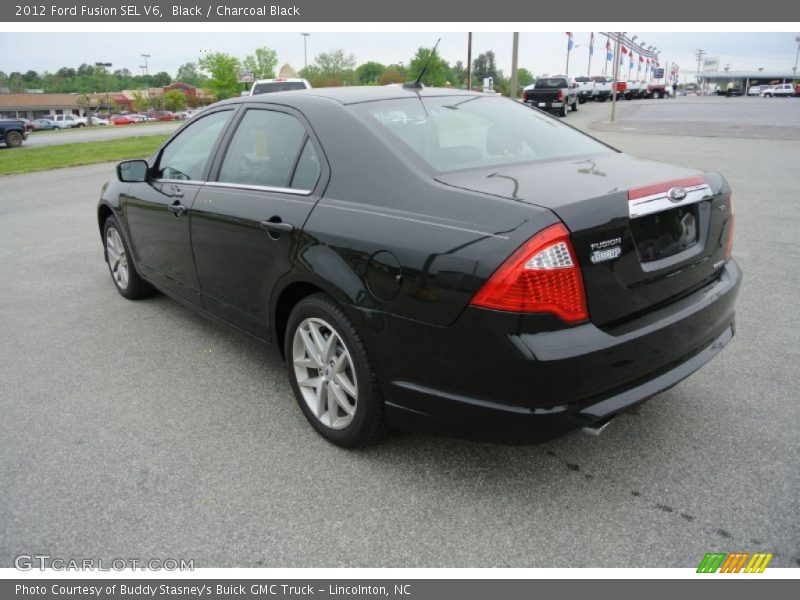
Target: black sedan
432, 259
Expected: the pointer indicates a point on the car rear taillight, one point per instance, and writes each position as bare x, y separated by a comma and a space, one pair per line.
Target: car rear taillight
560, 95
542, 276
731, 221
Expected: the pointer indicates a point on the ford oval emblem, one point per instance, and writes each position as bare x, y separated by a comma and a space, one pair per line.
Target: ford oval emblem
676, 194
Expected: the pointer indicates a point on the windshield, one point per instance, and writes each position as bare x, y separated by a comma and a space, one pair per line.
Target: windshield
278, 86
464, 132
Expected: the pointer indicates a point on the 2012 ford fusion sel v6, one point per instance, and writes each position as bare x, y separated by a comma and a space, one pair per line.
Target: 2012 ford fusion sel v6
432, 259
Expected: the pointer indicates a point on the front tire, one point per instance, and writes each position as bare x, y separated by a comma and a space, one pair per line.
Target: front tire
331, 374
13, 139
120, 263
656, 95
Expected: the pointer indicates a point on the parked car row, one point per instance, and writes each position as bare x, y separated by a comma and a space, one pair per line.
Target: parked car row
782, 90
560, 93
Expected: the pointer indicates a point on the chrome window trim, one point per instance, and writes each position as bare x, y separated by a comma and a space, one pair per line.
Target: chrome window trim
654, 203
259, 188
183, 181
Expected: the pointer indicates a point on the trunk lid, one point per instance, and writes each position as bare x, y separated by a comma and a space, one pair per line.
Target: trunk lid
637, 248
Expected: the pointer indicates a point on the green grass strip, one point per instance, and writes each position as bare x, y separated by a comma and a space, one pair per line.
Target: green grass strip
28, 160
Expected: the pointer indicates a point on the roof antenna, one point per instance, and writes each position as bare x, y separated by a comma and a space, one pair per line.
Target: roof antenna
417, 85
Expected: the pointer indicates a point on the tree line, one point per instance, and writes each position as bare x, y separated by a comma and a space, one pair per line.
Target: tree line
219, 72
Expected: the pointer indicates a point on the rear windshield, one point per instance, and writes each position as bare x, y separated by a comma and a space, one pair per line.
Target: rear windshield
600, 79
582, 79
550, 83
278, 86
465, 132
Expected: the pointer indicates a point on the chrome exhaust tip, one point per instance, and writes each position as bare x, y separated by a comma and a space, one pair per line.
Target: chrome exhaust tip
596, 429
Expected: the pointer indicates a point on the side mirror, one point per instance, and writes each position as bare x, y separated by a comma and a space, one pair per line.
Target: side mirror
132, 171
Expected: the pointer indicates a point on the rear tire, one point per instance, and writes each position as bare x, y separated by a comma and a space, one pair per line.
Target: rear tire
13, 139
332, 375
574, 106
656, 95
563, 110
120, 263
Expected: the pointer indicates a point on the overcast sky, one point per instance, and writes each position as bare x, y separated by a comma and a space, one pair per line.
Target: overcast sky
539, 52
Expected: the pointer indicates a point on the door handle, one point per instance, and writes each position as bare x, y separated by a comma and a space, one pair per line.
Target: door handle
177, 209
275, 225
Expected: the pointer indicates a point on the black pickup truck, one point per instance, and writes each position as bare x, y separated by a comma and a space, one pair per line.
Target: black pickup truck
13, 132
555, 94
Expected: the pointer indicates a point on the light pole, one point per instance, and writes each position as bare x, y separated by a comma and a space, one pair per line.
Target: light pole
630, 58
105, 66
305, 50
658, 66
639, 65
145, 57
615, 76
574, 46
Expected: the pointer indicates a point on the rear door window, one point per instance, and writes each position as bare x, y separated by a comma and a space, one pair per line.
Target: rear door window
265, 149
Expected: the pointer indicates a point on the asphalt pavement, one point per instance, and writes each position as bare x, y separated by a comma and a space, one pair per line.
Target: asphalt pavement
97, 133
139, 429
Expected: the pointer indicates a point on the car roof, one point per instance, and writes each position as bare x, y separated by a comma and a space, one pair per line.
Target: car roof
356, 94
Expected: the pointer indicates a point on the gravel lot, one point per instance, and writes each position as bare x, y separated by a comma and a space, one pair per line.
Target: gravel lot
138, 429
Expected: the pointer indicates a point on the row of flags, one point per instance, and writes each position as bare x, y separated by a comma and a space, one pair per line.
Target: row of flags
646, 62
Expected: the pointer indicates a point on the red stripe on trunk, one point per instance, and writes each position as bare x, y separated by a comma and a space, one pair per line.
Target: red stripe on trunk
657, 188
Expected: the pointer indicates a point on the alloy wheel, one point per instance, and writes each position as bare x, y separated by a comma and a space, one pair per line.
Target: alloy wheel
117, 257
325, 374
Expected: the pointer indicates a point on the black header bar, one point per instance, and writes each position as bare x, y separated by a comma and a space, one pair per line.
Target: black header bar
304, 11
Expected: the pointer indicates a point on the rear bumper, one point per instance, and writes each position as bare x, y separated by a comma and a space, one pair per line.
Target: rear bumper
490, 377
545, 104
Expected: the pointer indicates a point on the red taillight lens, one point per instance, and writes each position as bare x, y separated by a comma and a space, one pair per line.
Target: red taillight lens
731, 221
541, 276
560, 95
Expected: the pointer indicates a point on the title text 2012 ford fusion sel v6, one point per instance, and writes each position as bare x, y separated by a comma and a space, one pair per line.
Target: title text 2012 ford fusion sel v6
432, 259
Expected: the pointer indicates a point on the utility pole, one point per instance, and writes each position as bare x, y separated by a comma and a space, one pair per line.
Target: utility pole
591, 51
469, 60
569, 51
305, 50
699, 55
145, 57
514, 60
796, 56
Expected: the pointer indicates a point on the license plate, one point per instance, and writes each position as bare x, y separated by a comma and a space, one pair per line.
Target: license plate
666, 233
542, 103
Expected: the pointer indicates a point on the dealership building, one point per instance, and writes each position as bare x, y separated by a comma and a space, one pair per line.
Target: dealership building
721, 79
37, 105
